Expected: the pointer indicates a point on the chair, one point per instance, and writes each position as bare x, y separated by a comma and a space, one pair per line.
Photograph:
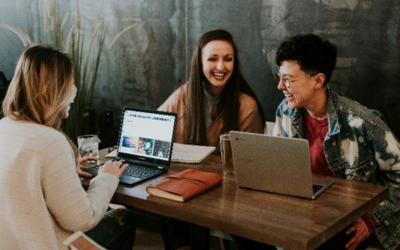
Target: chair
224, 238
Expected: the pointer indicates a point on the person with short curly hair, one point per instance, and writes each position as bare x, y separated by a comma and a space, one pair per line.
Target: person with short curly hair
347, 140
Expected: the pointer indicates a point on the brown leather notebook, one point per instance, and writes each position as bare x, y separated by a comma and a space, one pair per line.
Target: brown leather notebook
184, 185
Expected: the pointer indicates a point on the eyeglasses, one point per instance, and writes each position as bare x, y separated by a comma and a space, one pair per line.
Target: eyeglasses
288, 81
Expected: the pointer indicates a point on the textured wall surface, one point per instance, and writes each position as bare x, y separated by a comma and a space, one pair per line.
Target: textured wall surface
151, 61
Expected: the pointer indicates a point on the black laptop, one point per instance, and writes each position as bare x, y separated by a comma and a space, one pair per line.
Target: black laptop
145, 142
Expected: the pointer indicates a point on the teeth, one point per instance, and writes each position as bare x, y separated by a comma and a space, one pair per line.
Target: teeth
219, 74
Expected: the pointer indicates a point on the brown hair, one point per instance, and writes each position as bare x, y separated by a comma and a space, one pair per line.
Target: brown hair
41, 87
229, 100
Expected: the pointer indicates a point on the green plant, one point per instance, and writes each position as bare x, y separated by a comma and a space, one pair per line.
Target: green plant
67, 35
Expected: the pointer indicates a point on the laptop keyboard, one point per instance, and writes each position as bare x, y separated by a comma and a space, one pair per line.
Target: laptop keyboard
316, 188
140, 172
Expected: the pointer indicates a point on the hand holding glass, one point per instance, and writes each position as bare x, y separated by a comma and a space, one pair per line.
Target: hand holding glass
88, 145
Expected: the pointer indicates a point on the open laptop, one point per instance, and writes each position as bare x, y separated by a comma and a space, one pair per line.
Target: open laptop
275, 164
145, 142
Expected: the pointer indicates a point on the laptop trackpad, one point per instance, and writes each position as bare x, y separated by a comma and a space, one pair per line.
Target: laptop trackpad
129, 179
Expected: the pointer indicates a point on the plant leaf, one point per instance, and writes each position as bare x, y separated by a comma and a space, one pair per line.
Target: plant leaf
115, 40
25, 39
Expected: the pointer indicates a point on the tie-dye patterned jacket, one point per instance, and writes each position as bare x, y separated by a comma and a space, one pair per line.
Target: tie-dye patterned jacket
358, 146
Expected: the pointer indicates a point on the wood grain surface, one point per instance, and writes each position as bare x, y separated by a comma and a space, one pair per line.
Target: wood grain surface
284, 221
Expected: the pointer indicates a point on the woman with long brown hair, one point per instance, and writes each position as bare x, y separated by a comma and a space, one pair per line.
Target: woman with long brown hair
217, 98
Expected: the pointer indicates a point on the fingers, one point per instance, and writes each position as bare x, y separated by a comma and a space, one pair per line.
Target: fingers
123, 167
360, 234
83, 174
116, 168
87, 158
119, 164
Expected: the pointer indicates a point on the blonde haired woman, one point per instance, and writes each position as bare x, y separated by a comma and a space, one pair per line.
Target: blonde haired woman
43, 201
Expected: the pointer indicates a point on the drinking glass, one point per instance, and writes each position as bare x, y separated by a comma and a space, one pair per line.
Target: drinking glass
88, 145
226, 154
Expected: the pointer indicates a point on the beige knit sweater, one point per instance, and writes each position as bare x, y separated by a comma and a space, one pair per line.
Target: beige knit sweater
41, 197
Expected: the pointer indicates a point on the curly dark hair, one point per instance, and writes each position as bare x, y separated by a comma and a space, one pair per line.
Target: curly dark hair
313, 54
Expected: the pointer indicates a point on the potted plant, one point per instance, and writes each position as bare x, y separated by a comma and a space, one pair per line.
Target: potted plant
67, 35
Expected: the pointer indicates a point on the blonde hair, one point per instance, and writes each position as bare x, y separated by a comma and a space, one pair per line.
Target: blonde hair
41, 88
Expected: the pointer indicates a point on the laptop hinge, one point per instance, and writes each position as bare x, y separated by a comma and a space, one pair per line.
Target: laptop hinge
143, 163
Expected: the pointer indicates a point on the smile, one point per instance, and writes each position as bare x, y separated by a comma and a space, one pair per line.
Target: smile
219, 74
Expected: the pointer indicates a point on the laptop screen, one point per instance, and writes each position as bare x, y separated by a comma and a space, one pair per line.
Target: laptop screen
146, 135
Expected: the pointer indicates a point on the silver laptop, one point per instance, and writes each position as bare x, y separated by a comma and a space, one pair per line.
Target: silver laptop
145, 142
275, 164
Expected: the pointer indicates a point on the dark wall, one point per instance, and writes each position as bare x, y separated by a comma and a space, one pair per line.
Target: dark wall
151, 61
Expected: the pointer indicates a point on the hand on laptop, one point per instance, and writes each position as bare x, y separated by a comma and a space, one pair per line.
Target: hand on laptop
80, 167
113, 167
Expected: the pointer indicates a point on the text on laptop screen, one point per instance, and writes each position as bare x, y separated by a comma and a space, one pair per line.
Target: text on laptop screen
146, 134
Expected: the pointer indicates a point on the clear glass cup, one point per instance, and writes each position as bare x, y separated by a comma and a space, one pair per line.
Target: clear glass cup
88, 145
226, 154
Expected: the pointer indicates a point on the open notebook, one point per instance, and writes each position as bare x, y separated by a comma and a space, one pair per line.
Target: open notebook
186, 153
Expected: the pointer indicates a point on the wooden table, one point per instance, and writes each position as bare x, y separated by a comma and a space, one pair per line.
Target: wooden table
287, 222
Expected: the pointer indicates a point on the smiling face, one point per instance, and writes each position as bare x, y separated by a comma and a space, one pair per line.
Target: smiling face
301, 93
217, 63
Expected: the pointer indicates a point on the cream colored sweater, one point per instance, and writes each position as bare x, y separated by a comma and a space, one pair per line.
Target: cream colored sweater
41, 197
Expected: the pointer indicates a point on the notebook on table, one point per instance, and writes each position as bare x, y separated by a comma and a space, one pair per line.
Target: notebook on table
275, 164
188, 153
145, 142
